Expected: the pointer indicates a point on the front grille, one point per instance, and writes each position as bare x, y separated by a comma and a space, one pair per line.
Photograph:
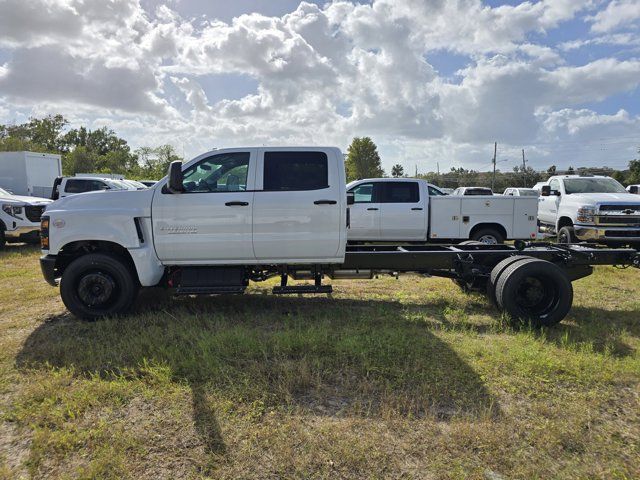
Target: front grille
619, 208
34, 212
622, 233
630, 220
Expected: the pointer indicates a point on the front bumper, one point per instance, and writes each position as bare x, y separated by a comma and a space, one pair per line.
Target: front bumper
607, 234
48, 267
22, 232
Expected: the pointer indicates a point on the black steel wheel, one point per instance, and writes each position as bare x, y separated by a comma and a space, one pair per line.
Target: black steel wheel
497, 271
534, 291
567, 235
98, 285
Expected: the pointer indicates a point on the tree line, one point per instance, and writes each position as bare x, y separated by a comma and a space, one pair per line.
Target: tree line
103, 151
363, 161
87, 151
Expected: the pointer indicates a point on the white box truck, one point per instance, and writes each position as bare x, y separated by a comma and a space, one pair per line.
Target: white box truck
29, 173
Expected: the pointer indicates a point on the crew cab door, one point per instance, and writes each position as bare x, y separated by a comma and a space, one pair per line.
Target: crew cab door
298, 209
210, 222
365, 212
548, 206
403, 211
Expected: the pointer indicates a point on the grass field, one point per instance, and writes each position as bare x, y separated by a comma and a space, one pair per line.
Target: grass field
404, 378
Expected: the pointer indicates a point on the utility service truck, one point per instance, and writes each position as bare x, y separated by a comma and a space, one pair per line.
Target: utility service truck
412, 210
589, 208
233, 216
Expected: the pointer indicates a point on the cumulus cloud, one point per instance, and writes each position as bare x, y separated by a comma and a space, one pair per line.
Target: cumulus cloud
324, 74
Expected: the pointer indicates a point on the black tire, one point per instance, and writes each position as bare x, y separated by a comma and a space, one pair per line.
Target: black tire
534, 291
497, 271
3, 240
98, 285
567, 235
488, 235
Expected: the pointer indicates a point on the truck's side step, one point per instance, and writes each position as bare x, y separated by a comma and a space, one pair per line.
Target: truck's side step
202, 290
302, 289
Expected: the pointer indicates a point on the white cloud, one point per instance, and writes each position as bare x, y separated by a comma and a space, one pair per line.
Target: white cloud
619, 13
324, 74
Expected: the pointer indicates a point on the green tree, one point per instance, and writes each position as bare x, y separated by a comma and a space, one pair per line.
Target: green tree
397, 171
363, 160
551, 171
79, 160
634, 172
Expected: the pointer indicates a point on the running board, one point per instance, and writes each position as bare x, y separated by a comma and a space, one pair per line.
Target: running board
208, 290
302, 289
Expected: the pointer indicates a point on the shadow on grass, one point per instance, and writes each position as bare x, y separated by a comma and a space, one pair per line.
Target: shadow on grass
597, 330
335, 357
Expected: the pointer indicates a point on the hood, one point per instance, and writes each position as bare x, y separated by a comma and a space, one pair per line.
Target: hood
604, 198
106, 200
21, 199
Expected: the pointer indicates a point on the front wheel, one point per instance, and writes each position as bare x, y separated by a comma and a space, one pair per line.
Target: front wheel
98, 285
567, 235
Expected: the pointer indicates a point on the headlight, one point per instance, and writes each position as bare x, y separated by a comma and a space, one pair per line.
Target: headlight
586, 214
12, 210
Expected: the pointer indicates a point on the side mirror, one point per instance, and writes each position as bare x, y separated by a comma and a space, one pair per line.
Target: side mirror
174, 185
634, 189
545, 191
351, 198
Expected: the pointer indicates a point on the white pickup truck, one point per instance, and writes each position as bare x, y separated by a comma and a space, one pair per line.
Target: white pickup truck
589, 208
407, 209
233, 216
20, 217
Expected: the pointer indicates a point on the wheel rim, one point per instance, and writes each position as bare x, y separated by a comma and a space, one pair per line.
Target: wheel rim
488, 240
537, 296
97, 289
563, 238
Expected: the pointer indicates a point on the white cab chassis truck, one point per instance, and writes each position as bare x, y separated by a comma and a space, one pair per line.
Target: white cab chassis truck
233, 216
412, 210
589, 208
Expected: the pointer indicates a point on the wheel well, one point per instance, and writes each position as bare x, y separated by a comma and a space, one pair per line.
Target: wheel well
495, 226
73, 250
564, 222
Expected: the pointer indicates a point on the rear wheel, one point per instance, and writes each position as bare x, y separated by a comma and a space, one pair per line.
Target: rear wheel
98, 285
497, 271
534, 291
3, 240
567, 235
488, 236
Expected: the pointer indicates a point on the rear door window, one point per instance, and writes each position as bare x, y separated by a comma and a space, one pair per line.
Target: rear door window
400, 192
287, 171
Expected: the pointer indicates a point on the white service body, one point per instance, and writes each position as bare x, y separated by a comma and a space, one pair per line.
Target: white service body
418, 211
239, 223
29, 173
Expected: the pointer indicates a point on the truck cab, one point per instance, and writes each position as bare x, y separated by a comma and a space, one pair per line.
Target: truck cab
589, 208
65, 186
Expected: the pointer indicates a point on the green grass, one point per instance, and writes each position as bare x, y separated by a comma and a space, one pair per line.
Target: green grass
405, 378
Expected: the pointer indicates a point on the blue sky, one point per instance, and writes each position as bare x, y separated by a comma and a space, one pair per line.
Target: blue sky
430, 82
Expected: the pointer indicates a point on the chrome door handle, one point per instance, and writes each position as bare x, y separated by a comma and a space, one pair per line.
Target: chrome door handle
237, 204
325, 202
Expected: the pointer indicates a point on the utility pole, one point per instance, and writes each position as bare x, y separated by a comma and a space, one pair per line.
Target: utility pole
416, 175
493, 179
524, 170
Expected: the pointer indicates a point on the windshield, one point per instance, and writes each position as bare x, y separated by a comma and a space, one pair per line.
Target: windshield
529, 193
592, 185
118, 185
